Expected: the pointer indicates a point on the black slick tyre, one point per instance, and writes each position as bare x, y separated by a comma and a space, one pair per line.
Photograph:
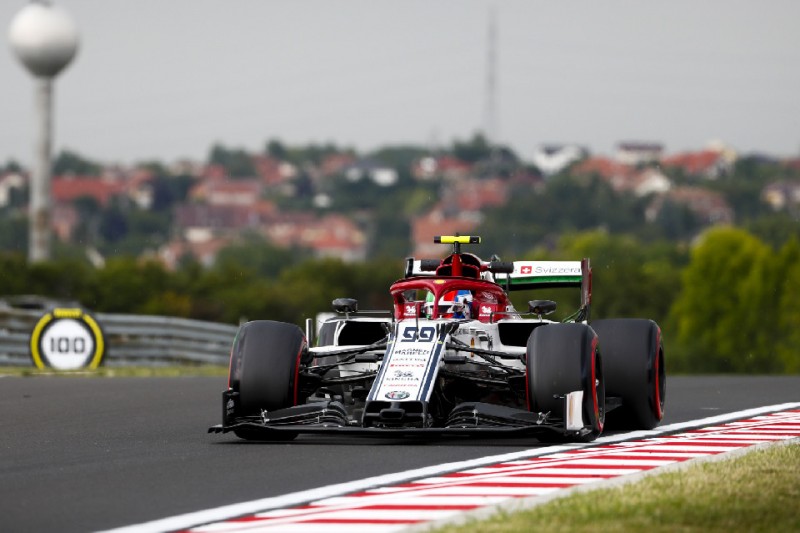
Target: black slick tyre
633, 355
562, 358
265, 364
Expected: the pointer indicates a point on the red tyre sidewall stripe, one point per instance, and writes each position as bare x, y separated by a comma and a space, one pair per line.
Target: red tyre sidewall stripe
295, 391
230, 367
595, 402
527, 389
657, 376
230, 360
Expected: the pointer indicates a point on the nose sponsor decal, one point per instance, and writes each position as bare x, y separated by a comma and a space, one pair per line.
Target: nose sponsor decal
409, 365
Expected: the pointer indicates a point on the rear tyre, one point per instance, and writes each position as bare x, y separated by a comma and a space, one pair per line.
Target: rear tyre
563, 358
265, 365
634, 362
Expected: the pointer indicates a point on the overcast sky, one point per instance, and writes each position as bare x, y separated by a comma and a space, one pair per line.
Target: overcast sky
165, 79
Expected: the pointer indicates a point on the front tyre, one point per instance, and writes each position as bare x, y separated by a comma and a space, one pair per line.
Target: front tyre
563, 358
264, 370
634, 361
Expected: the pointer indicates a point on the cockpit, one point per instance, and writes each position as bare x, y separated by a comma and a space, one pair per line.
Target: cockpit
436, 298
460, 286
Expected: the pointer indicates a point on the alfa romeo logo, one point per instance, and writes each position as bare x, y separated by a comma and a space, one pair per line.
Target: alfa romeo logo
397, 395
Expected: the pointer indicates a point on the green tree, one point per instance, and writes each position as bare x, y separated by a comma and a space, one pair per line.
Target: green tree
775, 229
170, 190
788, 337
143, 231
154, 166
67, 162
421, 199
11, 166
237, 162
399, 157
114, 223
19, 198
391, 237
721, 317
258, 256
13, 232
64, 279
630, 278
89, 216
349, 195
126, 285
276, 149
742, 187
677, 222
312, 154
14, 273
473, 150
568, 204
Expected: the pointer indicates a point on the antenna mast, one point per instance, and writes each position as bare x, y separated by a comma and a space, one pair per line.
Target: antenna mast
490, 112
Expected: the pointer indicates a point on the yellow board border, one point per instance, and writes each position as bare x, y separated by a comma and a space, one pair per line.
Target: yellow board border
61, 313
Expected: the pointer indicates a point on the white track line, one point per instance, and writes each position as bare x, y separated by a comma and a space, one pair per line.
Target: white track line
512, 505
188, 520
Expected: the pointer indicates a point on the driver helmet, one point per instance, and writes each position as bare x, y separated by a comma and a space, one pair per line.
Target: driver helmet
457, 302
463, 304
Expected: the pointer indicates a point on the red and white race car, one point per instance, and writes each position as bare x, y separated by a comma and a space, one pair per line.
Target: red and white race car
452, 357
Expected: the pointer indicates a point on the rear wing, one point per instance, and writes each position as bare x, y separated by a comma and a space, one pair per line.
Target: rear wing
430, 267
541, 274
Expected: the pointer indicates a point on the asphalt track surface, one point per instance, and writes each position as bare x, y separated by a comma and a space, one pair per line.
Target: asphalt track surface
87, 454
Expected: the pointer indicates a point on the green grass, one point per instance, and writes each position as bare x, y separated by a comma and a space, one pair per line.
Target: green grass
758, 491
122, 371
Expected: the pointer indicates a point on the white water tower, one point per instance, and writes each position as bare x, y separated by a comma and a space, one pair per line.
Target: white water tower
45, 39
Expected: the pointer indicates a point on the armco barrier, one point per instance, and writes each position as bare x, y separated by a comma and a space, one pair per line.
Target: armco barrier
130, 339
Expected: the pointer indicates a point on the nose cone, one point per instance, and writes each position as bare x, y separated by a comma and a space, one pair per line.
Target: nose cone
44, 37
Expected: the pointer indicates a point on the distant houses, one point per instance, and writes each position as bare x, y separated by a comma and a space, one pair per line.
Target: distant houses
643, 170
711, 163
66, 189
639, 153
445, 167
782, 195
554, 158
381, 174
709, 207
219, 209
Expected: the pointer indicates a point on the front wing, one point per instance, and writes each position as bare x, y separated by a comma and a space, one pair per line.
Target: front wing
473, 419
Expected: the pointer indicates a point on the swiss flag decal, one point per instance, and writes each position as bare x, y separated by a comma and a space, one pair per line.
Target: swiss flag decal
526, 269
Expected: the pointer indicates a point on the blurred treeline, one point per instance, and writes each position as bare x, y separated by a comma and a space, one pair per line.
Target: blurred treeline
728, 303
725, 297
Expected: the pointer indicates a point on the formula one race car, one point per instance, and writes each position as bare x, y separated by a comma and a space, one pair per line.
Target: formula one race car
453, 357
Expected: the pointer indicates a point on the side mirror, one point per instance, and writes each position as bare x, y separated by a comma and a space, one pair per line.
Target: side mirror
346, 306
429, 265
541, 307
409, 270
500, 267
